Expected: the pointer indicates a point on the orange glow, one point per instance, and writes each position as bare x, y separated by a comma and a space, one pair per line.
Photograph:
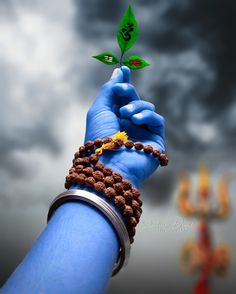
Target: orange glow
223, 197
203, 181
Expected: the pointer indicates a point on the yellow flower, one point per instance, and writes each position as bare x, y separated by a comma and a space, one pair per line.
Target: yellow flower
110, 145
120, 135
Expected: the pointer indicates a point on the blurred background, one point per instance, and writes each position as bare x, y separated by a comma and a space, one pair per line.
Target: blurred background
47, 83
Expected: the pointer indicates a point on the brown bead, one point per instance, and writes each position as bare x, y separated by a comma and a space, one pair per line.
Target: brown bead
118, 143
98, 175
131, 231
109, 181
156, 153
110, 192
82, 150
138, 145
132, 221
89, 145
140, 202
73, 177
117, 177
88, 171
118, 187
78, 161
107, 171
93, 159
119, 201
127, 184
128, 210
82, 161
137, 214
163, 160
129, 144
128, 196
99, 187
69, 178
148, 149
90, 181
135, 192
77, 154
135, 204
72, 170
80, 179
98, 143
86, 161
99, 165
79, 168
107, 140
137, 220
67, 185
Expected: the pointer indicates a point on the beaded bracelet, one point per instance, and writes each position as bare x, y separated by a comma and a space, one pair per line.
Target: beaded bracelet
88, 170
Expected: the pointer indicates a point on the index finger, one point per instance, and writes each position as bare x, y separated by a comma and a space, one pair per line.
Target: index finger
125, 93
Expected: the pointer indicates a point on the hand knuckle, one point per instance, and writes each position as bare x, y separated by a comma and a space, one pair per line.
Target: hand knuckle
162, 119
131, 87
152, 106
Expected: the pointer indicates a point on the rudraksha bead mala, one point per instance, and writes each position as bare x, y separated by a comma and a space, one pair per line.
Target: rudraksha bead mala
88, 170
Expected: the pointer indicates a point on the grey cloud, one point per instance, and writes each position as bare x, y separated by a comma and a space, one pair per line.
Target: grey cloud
97, 19
27, 127
159, 189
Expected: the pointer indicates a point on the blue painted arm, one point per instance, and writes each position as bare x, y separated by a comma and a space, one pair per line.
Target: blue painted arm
77, 250
74, 254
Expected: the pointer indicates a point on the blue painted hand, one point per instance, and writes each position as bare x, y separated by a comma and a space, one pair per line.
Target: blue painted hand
118, 107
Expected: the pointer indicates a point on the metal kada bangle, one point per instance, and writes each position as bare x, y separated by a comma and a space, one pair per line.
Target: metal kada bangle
110, 213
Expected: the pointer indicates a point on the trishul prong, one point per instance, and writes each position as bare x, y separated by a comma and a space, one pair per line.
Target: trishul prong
202, 208
183, 202
223, 197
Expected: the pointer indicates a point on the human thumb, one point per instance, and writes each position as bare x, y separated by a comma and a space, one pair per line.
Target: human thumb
104, 100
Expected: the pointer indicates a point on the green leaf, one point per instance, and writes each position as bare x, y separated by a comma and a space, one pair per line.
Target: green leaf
135, 62
107, 57
128, 31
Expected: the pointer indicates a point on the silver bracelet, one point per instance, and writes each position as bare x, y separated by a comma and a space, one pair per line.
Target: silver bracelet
111, 214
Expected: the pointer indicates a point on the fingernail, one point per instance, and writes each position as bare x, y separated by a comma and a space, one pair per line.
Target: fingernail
138, 115
129, 107
115, 73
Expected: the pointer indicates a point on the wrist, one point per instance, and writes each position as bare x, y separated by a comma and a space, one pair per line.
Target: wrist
110, 160
110, 175
92, 190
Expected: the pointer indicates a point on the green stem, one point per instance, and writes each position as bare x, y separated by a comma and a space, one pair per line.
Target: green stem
121, 57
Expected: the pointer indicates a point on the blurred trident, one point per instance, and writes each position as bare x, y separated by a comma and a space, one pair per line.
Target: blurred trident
201, 256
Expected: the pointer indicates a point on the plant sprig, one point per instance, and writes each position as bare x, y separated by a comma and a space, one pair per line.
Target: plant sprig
127, 34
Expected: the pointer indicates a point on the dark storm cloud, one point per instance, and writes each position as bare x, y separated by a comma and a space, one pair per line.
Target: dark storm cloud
97, 19
208, 28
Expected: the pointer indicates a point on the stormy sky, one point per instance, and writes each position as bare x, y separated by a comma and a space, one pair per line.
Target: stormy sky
47, 83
